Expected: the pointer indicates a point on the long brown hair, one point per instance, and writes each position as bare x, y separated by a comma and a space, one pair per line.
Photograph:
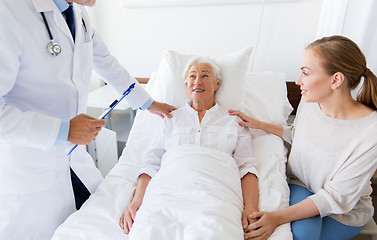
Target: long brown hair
341, 54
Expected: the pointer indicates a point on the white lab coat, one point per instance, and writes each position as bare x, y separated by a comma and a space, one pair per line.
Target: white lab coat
36, 92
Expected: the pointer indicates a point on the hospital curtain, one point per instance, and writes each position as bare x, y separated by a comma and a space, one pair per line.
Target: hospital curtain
355, 19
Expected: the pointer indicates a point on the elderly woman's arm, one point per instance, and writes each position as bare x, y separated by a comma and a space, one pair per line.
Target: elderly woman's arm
151, 165
129, 213
244, 157
250, 192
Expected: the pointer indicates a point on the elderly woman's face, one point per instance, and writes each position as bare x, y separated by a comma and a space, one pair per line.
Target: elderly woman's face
202, 82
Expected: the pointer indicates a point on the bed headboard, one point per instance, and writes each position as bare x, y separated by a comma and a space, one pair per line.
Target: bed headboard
293, 91
294, 95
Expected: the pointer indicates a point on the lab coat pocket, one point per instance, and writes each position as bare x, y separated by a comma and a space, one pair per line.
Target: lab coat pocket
86, 60
83, 72
26, 170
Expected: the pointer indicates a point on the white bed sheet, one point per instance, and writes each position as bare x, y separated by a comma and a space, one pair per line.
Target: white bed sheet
265, 99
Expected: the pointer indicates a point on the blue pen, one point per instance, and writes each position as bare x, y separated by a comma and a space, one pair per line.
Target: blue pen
111, 107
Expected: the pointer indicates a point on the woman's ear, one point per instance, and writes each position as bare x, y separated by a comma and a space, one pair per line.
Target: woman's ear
337, 80
217, 84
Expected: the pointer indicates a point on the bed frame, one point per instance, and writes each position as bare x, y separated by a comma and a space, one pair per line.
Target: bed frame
294, 95
293, 92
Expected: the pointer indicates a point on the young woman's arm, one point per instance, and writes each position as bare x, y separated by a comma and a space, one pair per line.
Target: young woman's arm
267, 222
129, 214
253, 123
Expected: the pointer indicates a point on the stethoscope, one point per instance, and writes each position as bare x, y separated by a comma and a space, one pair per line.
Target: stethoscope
53, 48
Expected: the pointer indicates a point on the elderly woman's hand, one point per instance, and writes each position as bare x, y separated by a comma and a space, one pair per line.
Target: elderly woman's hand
247, 121
128, 216
247, 218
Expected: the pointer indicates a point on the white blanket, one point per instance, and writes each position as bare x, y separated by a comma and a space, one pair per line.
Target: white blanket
99, 217
195, 195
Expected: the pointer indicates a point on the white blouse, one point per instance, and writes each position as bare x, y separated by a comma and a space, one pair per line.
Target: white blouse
217, 130
335, 159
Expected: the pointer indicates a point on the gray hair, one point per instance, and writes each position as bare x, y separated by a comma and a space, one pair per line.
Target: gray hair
213, 65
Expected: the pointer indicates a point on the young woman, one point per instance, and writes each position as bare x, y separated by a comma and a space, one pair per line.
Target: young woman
334, 146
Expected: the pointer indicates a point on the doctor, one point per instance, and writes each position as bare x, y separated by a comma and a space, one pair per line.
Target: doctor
45, 72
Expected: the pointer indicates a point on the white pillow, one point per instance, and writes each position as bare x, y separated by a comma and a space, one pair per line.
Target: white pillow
266, 97
231, 93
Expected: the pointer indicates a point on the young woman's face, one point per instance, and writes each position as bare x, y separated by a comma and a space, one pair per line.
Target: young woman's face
201, 82
314, 82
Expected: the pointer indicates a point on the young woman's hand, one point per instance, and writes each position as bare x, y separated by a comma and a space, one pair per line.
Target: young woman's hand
265, 225
128, 216
247, 121
253, 123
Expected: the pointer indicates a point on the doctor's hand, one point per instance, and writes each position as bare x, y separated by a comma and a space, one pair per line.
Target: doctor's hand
265, 225
161, 109
128, 216
83, 128
247, 121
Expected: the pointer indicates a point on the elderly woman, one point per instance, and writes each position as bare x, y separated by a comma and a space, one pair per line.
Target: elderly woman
201, 122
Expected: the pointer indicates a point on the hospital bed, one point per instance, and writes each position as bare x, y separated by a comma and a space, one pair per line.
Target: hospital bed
262, 95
